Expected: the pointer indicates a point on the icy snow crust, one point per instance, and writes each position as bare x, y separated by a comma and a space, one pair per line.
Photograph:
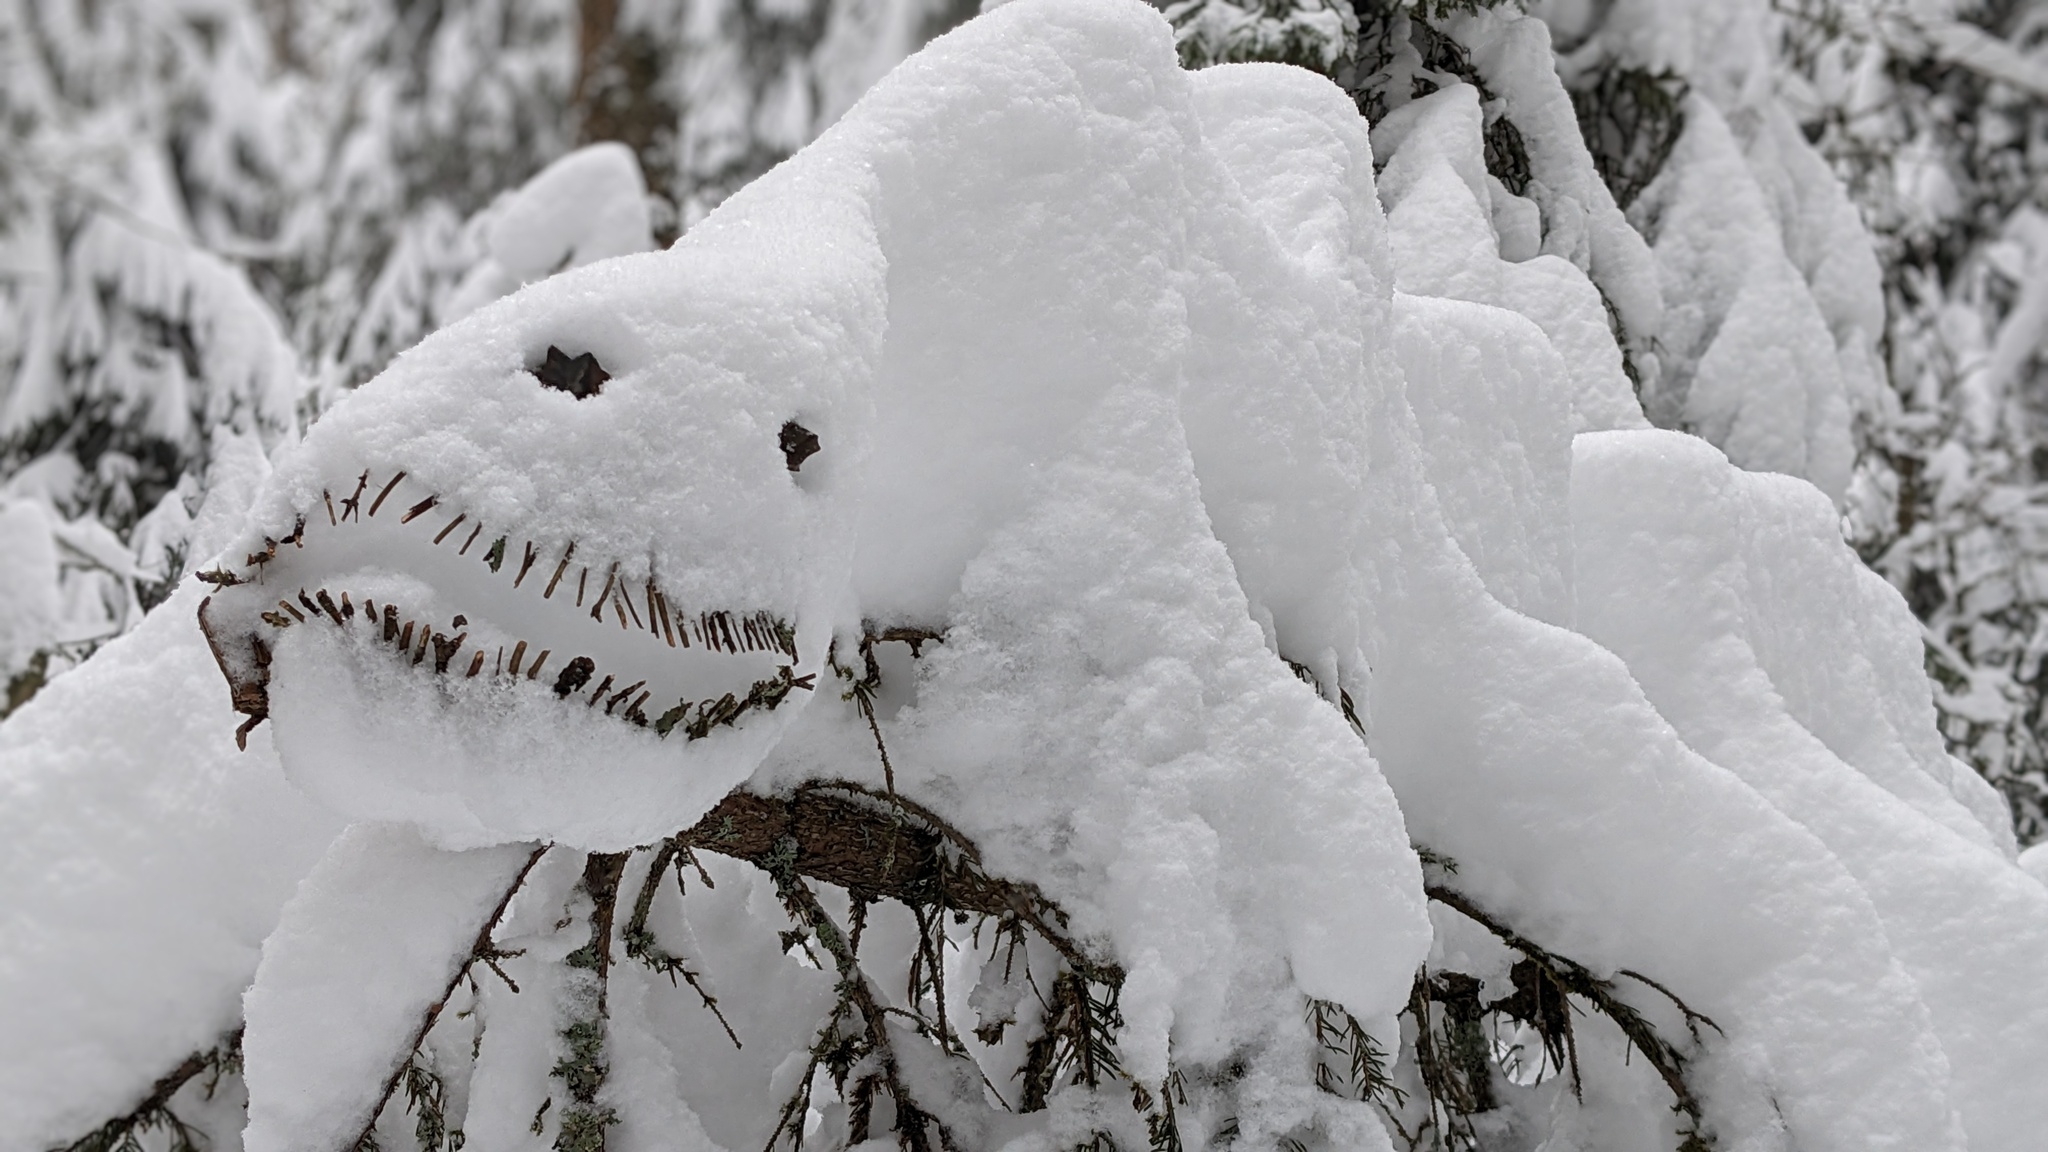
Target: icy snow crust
1126, 384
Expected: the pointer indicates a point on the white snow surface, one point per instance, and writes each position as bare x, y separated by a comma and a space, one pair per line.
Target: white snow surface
1127, 383
373, 936
142, 862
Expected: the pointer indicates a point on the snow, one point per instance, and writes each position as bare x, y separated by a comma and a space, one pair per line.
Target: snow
144, 864
589, 205
1703, 577
1743, 322
1444, 212
1277, 517
371, 938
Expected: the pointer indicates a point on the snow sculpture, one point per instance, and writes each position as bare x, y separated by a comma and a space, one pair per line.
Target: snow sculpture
1044, 468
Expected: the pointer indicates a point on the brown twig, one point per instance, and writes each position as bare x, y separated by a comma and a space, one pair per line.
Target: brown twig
483, 947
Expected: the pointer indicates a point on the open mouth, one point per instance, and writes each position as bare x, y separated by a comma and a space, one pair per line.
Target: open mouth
392, 565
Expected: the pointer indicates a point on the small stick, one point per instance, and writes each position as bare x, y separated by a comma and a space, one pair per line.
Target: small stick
329, 497
582, 578
526, 565
473, 534
599, 694
348, 610
559, 569
418, 510
327, 605
629, 607
667, 629
518, 654
421, 653
353, 506
476, 665
379, 501
443, 533
296, 614
539, 660
405, 638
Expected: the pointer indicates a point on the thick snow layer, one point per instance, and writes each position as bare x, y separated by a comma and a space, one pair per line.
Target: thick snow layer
1249, 569
142, 863
1750, 361
1705, 578
1580, 219
1444, 210
372, 938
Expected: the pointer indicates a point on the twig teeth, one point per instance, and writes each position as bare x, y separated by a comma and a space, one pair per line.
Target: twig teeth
390, 623
327, 606
379, 501
526, 565
312, 609
296, 614
476, 665
518, 654
559, 569
418, 510
539, 660
405, 638
582, 578
629, 607
421, 653
614, 700
443, 533
348, 610
353, 506
473, 534
599, 694
618, 611
499, 668
329, 498
597, 609
445, 650
660, 610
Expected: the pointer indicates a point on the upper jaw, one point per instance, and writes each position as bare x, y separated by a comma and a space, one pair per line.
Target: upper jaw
392, 563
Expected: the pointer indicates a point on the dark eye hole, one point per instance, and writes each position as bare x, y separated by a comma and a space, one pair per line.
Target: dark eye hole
798, 444
579, 376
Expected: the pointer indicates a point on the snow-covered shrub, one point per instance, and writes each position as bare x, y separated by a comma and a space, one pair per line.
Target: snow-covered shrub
1127, 625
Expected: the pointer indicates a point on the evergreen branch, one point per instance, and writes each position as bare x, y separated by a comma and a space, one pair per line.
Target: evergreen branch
483, 948
154, 1111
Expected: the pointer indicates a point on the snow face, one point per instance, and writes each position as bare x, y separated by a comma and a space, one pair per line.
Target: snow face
592, 576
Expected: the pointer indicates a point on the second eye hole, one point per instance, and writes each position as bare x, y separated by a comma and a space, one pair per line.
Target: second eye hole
798, 444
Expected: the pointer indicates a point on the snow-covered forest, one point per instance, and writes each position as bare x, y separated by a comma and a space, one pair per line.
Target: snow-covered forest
761, 575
